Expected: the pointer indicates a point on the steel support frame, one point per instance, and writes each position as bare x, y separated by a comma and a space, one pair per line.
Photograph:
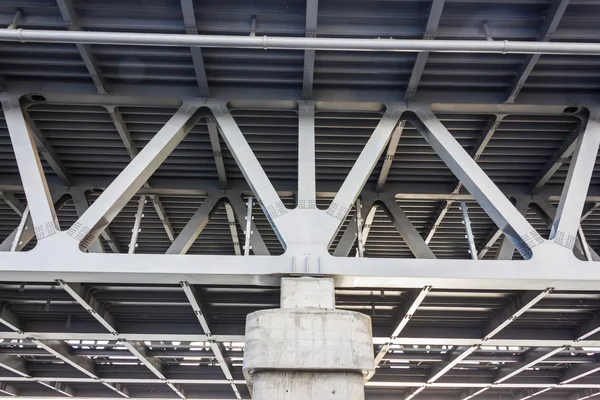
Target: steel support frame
404, 226
27, 233
195, 225
294, 227
215, 143
570, 375
99, 215
81, 203
135, 231
551, 21
87, 300
360, 242
121, 127
34, 181
390, 155
293, 270
487, 194
304, 257
307, 183
13, 202
477, 151
59, 384
248, 230
60, 349
408, 338
240, 210
350, 234
433, 21
368, 223
403, 321
507, 248
312, 10
563, 154
233, 229
191, 28
503, 318
547, 212
42, 265
567, 219
540, 352
468, 230
71, 19
214, 345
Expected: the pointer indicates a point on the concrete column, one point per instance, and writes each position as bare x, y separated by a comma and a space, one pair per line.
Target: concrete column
307, 349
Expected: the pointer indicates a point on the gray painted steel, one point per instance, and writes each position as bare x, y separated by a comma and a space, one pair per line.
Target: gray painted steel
152, 324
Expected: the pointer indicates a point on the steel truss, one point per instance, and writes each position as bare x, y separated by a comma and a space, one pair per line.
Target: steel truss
551, 266
306, 232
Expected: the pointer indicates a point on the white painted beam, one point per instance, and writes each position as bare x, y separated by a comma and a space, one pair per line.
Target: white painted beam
307, 185
570, 208
487, 194
32, 174
131, 179
195, 225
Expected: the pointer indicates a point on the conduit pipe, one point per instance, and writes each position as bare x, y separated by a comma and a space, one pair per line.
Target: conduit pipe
299, 43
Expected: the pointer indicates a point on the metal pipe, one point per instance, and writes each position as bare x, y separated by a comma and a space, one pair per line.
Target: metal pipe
299, 43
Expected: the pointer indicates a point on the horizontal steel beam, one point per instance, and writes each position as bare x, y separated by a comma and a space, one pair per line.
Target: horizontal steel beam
371, 384
411, 338
74, 95
50, 263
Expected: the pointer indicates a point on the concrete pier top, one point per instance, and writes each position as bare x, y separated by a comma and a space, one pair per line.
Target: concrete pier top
309, 336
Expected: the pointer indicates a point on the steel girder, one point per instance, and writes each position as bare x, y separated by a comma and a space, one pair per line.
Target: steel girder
544, 272
306, 247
